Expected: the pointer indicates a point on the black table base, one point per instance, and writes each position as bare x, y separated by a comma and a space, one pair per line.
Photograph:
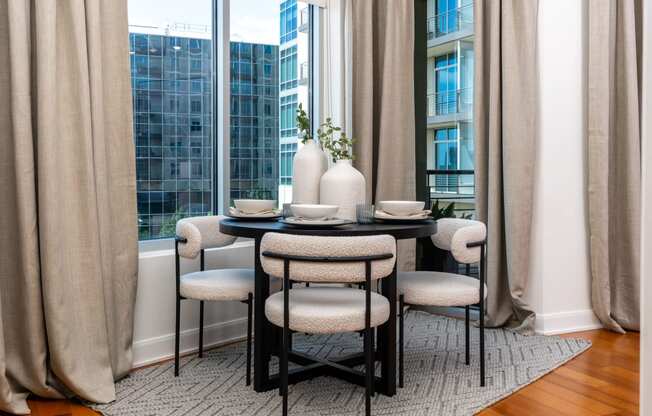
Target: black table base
268, 336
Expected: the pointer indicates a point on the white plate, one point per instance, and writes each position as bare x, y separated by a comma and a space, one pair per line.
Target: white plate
423, 215
301, 222
234, 213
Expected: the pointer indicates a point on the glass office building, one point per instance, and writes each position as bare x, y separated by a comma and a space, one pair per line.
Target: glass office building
172, 100
173, 131
254, 121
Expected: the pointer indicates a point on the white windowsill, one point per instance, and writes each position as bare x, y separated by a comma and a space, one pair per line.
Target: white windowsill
165, 247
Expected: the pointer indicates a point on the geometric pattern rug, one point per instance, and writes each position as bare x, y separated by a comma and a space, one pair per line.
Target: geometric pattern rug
437, 381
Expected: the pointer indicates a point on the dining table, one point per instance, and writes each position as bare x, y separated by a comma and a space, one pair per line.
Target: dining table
267, 336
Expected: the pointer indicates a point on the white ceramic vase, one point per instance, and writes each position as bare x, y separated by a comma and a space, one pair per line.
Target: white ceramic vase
309, 164
344, 186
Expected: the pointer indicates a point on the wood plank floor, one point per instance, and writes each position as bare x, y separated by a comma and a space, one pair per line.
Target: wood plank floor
602, 381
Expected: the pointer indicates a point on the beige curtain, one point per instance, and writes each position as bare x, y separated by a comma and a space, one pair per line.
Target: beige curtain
614, 160
382, 49
505, 117
68, 246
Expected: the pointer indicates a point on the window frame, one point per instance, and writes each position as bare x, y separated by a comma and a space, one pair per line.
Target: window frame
221, 93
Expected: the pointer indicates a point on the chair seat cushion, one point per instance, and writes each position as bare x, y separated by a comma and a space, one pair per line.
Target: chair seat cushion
327, 310
220, 284
439, 289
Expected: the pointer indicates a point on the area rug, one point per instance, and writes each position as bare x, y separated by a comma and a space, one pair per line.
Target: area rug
437, 382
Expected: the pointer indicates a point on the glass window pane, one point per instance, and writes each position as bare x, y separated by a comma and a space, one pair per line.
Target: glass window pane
171, 64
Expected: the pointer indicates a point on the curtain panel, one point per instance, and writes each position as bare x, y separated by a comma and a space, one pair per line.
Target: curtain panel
614, 160
382, 102
68, 247
505, 122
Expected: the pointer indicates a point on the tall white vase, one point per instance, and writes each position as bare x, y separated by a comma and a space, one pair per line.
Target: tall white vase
343, 185
309, 164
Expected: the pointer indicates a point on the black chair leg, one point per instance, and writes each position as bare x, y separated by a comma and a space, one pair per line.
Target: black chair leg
176, 337
201, 328
467, 334
401, 307
368, 371
482, 358
250, 304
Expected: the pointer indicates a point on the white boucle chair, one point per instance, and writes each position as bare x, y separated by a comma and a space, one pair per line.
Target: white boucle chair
466, 240
193, 236
327, 310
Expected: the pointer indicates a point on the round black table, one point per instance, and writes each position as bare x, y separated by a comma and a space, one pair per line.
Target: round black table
267, 339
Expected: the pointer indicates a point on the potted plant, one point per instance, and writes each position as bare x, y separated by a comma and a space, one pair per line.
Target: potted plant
342, 185
309, 164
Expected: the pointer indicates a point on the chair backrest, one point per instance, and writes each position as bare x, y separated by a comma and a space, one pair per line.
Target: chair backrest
331, 247
201, 233
453, 234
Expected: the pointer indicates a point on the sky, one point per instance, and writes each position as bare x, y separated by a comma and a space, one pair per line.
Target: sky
255, 21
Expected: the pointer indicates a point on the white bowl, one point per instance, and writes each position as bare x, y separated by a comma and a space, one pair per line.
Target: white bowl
314, 211
253, 206
401, 207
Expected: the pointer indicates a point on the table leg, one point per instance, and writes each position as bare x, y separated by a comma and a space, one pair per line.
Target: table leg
262, 328
387, 338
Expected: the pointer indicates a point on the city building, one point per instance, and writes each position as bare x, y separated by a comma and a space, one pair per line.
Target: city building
450, 101
254, 121
293, 86
172, 99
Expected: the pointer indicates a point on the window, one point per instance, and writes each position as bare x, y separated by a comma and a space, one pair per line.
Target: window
175, 125
450, 60
169, 62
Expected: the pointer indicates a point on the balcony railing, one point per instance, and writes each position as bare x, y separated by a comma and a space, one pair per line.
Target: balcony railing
450, 21
450, 102
452, 185
304, 73
304, 20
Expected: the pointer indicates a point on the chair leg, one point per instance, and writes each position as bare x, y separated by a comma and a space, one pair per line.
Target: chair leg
176, 337
401, 307
467, 334
201, 328
482, 358
250, 303
368, 371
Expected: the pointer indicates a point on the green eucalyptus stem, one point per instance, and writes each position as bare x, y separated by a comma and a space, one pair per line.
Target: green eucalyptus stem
340, 148
303, 124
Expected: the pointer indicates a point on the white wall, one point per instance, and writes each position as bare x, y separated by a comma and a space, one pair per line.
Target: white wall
560, 268
155, 305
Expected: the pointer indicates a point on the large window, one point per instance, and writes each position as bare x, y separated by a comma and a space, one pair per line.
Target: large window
450, 63
171, 66
176, 124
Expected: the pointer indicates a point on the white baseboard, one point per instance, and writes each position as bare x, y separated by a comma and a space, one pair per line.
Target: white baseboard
153, 350
566, 322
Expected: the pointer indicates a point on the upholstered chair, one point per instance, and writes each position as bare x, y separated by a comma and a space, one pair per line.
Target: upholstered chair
328, 309
193, 236
466, 240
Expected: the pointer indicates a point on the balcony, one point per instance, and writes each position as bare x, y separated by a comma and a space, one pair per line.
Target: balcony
450, 25
447, 106
304, 73
452, 186
304, 20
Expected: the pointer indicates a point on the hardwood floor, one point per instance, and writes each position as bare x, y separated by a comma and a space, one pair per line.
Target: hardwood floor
602, 381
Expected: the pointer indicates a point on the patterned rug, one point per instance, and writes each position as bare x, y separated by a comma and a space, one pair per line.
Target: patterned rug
437, 382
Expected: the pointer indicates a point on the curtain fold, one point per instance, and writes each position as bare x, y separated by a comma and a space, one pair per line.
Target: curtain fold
505, 121
614, 160
68, 250
382, 91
